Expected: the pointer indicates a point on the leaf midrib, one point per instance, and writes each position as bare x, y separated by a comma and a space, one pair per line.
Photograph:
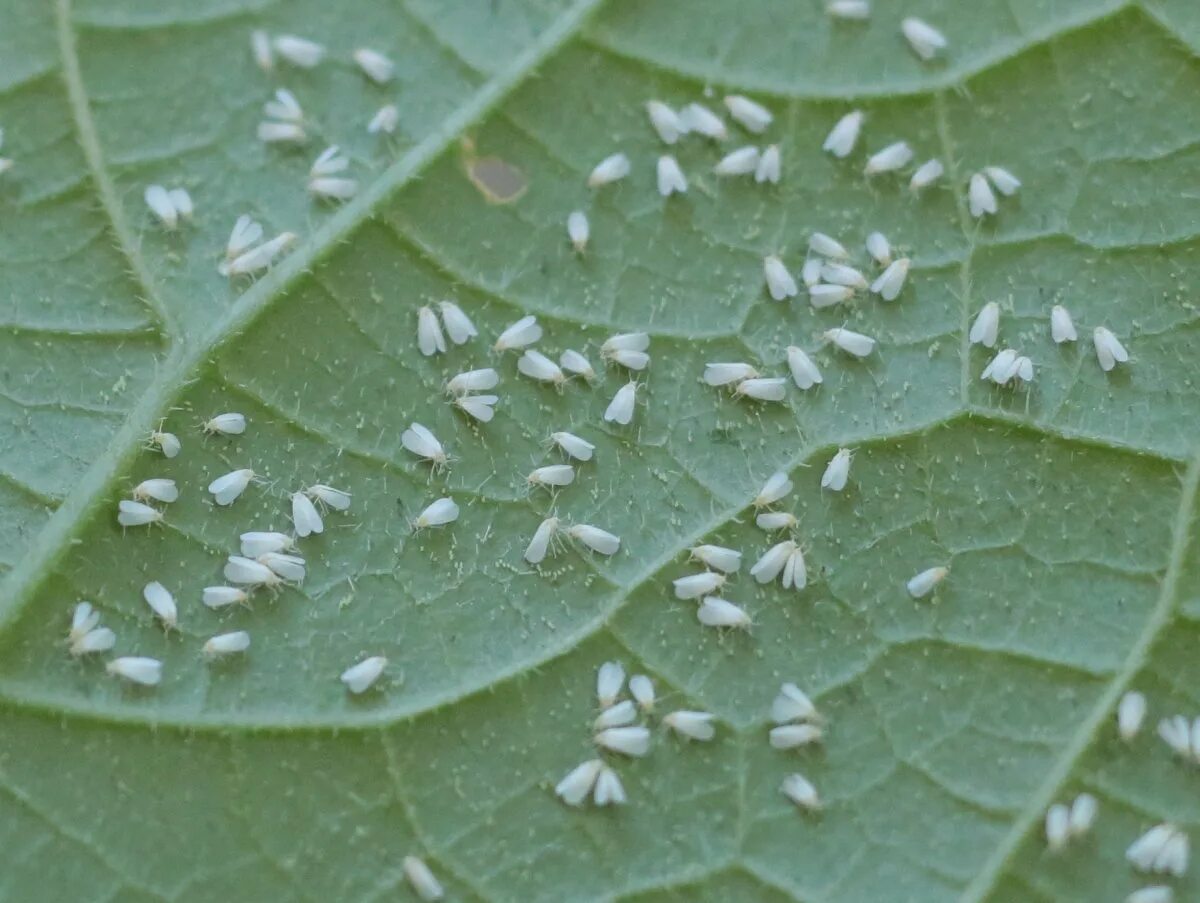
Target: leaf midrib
187, 353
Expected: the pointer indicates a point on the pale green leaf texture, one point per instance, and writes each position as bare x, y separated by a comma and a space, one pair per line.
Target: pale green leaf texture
1066, 513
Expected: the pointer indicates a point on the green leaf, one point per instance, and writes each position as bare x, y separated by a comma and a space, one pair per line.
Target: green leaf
1066, 512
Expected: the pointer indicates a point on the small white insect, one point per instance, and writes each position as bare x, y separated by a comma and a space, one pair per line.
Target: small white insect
573, 446
780, 283
853, 10
620, 409
473, 381
728, 561
260, 543
260, 48
574, 362
843, 274
459, 327
223, 596
741, 162
374, 65
136, 669
162, 603
167, 443
285, 107
289, 567
923, 583
925, 40
424, 444
136, 514
717, 612
641, 688
430, 340
692, 725
322, 181
981, 200
797, 788
524, 332
575, 787
770, 166
772, 388
162, 204
772, 561
1158, 893
305, 517
665, 121
694, 586
1008, 366
226, 489
246, 232
1109, 350
775, 520
703, 121
423, 882
385, 120
793, 736
619, 715
1164, 848
827, 246
84, 618
337, 499
578, 230
636, 342
810, 273
1006, 183
438, 514
611, 169
854, 343
777, 486
926, 174
879, 248
537, 366
481, 407
986, 328
99, 639
671, 179
281, 133
752, 116
804, 372
158, 490
299, 51
891, 158
633, 740
722, 374
259, 258
359, 678
595, 539
226, 425
609, 790
837, 471
1084, 809
1057, 826
891, 281
844, 135
795, 573
535, 552
227, 644
1062, 327
1178, 734
552, 475
821, 295
793, 704
249, 572
1131, 712
610, 679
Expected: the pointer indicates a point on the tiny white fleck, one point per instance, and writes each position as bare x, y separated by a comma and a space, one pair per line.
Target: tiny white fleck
578, 230
844, 134
611, 169
852, 10
923, 583
374, 64
260, 47
359, 677
1131, 712
1057, 826
385, 120
299, 51
752, 116
925, 40
423, 882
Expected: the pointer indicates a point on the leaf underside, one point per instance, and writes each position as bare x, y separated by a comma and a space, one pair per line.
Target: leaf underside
1066, 512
